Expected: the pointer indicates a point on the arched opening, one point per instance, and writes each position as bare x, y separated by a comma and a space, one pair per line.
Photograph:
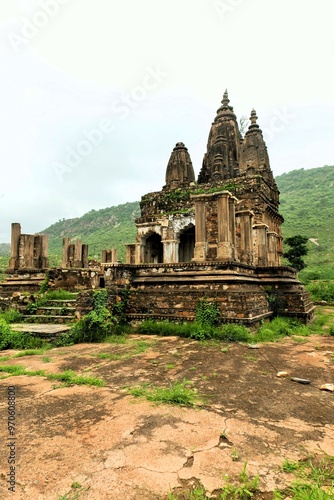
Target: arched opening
187, 244
153, 249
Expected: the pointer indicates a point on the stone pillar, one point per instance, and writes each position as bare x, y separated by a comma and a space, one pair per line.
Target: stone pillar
26, 251
232, 203
171, 251
246, 236
114, 255
78, 254
226, 227
272, 249
66, 244
84, 255
140, 254
14, 247
130, 256
44, 251
200, 229
262, 244
104, 256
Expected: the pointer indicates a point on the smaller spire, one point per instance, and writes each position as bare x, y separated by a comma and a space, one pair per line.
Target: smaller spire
225, 101
253, 117
253, 120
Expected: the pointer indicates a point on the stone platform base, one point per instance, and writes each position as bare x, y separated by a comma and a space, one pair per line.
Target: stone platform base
244, 294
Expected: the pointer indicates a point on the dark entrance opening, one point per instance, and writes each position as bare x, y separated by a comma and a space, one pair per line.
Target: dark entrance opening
187, 245
154, 249
102, 283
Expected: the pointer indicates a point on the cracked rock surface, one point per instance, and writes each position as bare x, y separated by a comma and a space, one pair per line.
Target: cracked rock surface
120, 447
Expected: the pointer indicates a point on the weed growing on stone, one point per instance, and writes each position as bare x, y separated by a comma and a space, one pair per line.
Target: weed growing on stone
31, 352
68, 377
178, 393
314, 479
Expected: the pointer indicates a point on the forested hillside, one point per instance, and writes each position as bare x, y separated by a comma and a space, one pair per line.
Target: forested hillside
100, 229
307, 204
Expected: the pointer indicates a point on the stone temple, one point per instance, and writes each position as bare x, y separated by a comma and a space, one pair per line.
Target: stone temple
217, 238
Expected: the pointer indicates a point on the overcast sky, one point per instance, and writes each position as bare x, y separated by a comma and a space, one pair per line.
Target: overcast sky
96, 93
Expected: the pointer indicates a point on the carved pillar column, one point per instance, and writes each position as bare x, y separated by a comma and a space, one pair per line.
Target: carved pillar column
232, 203
66, 244
14, 247
246, 236
200, 229
261, 241
272, 249
226, 226
171, 251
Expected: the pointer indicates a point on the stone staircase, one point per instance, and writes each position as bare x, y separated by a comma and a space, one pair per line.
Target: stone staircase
53, 311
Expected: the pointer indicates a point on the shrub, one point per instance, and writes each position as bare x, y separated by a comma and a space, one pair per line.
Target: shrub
321, 290
10, 339
207, 313
95, 325
12, 316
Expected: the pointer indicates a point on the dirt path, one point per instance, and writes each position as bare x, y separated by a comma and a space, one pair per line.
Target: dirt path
119, 447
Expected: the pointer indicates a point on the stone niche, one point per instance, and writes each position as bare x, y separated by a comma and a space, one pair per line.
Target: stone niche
29, 252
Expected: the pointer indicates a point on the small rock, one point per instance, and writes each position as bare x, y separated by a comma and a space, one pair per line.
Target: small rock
253, 346
300, 380
327, 387
282, 374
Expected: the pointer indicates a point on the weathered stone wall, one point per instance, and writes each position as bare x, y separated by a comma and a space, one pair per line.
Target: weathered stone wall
75, 279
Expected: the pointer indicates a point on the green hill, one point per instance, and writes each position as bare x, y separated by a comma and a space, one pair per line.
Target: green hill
307, 204
100, 229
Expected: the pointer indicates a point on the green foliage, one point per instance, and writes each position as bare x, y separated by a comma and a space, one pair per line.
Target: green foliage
321, 290
94, 326
11, 316
207, 313
307, 204
10, 339
178, 393
297, 251
59, 294
314, 479
45, 284
119, 307
242, 491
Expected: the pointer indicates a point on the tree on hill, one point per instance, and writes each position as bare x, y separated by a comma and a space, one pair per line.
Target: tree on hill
297, 251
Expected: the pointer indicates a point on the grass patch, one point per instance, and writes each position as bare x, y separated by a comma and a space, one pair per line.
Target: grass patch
68, 377
116, 339
31, 352
59, 295
314, 479
178, 393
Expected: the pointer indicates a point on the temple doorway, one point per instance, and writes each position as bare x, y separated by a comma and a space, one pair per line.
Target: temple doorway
153, 249
187, 244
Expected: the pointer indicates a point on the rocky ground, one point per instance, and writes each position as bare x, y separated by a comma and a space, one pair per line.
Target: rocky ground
101, 443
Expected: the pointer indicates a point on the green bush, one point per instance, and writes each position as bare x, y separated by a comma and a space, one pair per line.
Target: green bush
321, 290
207, 313
10, 339
12, 316
94, 326
232, 333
